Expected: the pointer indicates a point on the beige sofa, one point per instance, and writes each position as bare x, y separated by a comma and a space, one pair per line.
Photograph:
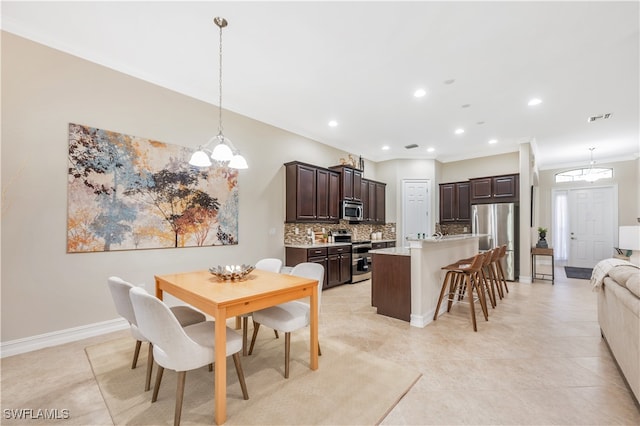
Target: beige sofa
618, 286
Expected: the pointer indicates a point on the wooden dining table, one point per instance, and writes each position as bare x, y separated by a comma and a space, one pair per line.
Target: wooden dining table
226, 299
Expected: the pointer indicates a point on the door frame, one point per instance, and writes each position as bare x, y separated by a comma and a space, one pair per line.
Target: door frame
614, 222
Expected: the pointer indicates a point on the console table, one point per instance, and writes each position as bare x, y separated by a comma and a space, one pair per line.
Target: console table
536, 251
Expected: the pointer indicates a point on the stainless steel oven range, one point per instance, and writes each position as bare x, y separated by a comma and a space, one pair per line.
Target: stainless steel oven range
361, 261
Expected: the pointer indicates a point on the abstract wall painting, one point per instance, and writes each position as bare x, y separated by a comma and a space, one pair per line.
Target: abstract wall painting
130, 193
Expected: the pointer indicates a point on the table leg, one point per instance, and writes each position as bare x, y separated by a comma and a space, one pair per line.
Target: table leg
313, 356
158, 290
220, 386
553, 271
533, 266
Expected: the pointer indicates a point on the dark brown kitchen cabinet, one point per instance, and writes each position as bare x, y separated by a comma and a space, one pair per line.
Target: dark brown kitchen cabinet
327, 198
375, 245
336, 261
339, 265
312, 193
506, 188
373, 201
495, 189
350, 182
455, 206
381, 215
366, 211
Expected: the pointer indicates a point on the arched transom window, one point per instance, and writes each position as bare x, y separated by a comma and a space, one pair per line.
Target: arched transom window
587, 174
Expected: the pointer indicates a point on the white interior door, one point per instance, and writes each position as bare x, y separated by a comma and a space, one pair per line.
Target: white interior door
415, 209
593, 223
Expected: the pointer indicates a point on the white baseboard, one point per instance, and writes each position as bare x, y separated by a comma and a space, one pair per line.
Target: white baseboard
421, 321
32, 343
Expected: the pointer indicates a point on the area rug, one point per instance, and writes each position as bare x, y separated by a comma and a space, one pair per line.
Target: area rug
579, 273
349, 387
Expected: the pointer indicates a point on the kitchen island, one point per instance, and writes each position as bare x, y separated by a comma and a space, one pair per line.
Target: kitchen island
407, 281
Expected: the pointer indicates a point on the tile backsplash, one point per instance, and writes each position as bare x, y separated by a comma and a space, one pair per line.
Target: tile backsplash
358, 231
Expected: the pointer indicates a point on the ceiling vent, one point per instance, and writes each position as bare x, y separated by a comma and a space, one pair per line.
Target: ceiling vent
598, 117
413, 145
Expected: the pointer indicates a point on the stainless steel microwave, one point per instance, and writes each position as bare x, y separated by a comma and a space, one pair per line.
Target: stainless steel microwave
352, 210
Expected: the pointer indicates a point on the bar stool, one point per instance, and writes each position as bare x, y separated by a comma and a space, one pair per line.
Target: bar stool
486, 272
461, 277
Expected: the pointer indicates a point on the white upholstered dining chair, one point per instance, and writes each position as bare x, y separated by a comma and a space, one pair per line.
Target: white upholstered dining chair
120, 294
180, 349
289, 316
266, 264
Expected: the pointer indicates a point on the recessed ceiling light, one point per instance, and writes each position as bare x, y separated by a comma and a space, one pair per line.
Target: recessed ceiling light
492, 141
386, 148
534, 101
419, 93
333, 123
430, 149
459, 131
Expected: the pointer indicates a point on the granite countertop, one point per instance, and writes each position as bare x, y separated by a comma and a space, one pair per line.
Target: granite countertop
397, 251
316, 245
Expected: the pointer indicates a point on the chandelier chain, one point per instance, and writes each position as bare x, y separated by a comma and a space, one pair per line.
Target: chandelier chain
220, 82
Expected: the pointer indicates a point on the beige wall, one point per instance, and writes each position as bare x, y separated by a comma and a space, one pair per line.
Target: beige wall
44, 289
457, 171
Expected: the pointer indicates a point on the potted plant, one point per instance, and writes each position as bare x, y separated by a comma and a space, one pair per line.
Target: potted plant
542, 235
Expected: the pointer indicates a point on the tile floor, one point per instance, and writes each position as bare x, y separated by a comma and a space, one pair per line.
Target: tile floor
539, 360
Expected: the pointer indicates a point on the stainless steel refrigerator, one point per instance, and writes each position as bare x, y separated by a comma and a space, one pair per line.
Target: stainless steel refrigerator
500, 224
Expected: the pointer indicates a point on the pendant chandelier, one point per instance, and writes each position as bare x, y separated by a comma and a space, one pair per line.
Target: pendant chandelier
219, 148
591, 176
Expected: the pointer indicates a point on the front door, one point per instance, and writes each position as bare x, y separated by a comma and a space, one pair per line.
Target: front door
592, 225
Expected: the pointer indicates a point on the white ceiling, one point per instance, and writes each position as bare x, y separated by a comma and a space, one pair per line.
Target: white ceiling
297, 65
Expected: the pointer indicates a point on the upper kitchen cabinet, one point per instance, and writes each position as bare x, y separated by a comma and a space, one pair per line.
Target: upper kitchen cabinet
495, 189
312, 193
373, 201
350, 183
455, 202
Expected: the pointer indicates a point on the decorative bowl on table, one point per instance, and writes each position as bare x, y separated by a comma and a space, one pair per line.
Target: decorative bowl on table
231, 272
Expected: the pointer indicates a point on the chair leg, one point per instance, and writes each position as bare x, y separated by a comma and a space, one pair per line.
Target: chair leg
494, 280
245, 323
182, 375
156, 388
147, 383
442, 290
480, 290
287, 348
467, 282
502, 276
276, 333
210, 368
256, 327
243, 385
488, 285
454, 282
135, 354
319, 351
